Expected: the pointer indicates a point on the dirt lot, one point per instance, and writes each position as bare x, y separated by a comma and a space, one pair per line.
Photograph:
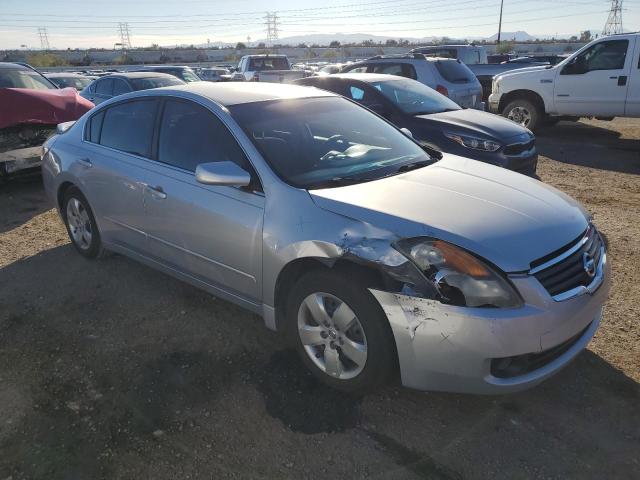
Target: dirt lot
111, 370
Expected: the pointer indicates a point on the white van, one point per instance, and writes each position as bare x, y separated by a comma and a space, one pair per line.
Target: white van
600, 80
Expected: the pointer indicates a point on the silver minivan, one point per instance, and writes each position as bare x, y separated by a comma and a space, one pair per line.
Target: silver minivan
339, 230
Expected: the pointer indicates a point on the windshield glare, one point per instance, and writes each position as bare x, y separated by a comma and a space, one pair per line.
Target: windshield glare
414, 97
18, 78
325, 142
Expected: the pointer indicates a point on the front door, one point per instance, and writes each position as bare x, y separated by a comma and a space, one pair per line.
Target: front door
633, 93
595, 82
212, 233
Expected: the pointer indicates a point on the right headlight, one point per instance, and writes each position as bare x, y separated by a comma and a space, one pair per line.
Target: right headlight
495, 85
460, 278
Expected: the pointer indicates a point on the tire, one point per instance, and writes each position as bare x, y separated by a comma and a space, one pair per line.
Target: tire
81, 224
524, 112
334, 348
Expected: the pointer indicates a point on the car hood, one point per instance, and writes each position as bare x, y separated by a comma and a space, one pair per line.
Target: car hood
479, 123
526, 71
45, 107
507, 218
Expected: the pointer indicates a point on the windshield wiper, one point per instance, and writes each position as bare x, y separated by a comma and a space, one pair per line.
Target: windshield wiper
407, 167
337, 182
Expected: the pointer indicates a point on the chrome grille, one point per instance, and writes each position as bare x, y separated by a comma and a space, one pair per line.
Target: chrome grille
568, 269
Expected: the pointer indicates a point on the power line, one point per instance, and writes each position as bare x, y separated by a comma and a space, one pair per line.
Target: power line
614, 20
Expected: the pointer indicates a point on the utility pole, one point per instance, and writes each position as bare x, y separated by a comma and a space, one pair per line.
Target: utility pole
500, 23
614, 20
125, 36
44, 38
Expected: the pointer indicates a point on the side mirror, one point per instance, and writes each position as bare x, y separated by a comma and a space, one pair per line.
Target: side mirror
222, 173
407, 132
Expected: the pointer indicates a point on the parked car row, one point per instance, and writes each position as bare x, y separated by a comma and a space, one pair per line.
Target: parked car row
372, 254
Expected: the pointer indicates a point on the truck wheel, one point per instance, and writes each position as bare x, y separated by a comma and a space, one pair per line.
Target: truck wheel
340, 331
523, 112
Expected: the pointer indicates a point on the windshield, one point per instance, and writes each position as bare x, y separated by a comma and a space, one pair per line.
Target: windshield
154, 82
326, 142
74, 82
414, 97
189, 75
23, 78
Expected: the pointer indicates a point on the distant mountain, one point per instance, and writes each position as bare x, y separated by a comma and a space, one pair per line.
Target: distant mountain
327, 38
520, 36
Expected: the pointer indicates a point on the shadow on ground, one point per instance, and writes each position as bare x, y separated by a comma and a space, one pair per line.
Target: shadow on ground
22, 199
590, 146
110, 369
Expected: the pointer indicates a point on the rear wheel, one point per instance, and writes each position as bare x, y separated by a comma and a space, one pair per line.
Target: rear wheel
340, 331
524, 112
81, 224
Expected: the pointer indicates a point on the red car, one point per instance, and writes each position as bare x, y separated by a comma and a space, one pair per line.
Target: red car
30, 108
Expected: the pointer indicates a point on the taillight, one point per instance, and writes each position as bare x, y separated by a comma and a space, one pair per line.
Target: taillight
256, 77
443, 90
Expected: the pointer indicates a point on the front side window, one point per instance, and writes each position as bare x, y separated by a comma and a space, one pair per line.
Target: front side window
608, 55
128, 127
190, 135
415, 98
325, 142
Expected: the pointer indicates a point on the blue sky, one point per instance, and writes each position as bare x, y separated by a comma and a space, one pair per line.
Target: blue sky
82, 23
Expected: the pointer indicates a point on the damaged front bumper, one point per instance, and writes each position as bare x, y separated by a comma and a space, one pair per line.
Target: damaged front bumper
20, 159
490, 350
21, 146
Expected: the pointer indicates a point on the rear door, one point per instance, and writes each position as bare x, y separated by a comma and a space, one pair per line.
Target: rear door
595, 82
211, 233
111, 166
102, 91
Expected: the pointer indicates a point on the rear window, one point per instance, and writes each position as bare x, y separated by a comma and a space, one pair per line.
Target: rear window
128, 127
454, 71
268, 63
154, 82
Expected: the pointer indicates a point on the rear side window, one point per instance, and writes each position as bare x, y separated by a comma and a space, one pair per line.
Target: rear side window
128, 127
453, 71
399, 69
356, 69
104, 87
191, 135
155, 82
95, 125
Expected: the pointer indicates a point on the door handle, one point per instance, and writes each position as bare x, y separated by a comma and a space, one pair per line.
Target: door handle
85, 162
622, 80
156, 192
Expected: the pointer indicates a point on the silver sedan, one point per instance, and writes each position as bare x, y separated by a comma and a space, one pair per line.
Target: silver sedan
339, 230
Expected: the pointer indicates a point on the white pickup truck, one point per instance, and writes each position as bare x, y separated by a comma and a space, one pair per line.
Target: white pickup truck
600, 80
266, 68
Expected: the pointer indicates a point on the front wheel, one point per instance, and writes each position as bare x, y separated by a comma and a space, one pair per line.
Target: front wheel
524, 112
340, 332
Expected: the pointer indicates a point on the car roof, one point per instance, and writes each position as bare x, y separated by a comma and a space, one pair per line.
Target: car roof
365, 77
145, 74
235, 93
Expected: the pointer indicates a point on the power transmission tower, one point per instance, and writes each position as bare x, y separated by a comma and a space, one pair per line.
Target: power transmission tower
125, 36
614, 20
44, 38
271, 22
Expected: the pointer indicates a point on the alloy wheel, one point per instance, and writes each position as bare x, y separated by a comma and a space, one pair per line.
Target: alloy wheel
79, 224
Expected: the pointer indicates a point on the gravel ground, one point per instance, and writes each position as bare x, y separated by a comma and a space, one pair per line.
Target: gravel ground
111, 370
